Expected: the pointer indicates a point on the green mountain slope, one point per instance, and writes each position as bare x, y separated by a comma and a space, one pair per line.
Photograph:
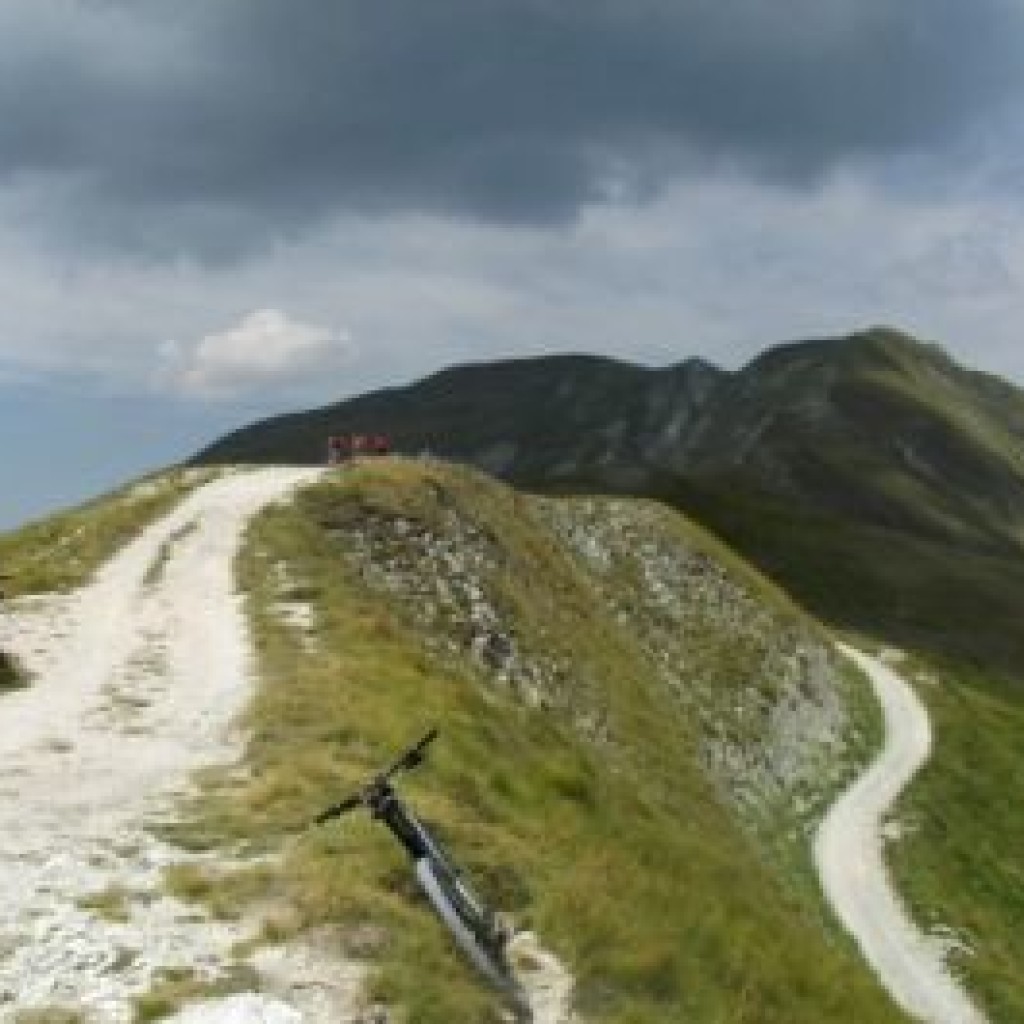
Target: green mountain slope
881, 484
870, 442
876, 428
637, 734
532, 420
958, 863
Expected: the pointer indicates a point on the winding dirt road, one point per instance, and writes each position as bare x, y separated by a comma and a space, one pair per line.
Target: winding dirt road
849, 857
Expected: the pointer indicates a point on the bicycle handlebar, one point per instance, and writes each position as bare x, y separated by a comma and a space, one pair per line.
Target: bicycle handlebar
338, 809
413, 757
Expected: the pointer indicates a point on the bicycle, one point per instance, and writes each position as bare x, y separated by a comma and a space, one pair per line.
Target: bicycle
476, 929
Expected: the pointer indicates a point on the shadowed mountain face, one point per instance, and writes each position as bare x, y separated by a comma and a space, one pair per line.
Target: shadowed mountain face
882, 482
557, 420
874, 428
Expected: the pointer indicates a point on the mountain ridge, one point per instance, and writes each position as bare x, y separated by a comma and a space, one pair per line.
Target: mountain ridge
873, 431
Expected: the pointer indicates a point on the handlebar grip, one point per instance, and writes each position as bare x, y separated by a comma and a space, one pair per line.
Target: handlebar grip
425, 742
338, 810
413, 756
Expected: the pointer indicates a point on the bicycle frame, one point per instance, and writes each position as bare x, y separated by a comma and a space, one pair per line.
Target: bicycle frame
475, 928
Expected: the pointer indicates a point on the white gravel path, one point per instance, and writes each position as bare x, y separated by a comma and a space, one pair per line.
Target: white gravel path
136, 684
137, 680
848, 852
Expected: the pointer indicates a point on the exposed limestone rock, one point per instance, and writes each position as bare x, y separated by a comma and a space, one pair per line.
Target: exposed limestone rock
442, 578
764, 686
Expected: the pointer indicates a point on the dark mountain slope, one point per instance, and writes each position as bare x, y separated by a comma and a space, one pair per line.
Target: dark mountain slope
531, 420
886, 492
876, 428
873, 452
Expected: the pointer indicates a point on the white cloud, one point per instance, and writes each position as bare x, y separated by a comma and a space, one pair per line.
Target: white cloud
718, 269
265, 348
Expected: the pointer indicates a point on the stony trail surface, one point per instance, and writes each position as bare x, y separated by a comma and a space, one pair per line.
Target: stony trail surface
137, 681
848, 853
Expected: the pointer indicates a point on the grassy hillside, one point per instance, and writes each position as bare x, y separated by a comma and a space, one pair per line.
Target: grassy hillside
960, 861
610, 792
60, 552
919, 593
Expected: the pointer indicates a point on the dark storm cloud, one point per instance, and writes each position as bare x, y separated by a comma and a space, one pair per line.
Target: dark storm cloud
191, 117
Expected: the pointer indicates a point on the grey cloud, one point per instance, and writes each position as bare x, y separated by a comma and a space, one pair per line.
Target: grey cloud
181, 123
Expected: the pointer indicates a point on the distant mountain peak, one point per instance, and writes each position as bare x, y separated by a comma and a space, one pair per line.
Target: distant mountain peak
872, 343
876, 424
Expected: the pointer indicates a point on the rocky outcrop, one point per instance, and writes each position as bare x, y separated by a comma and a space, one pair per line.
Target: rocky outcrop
760, 683
442, 575
763, 685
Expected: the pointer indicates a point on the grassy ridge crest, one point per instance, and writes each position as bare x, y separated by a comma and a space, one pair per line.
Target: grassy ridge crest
569, 779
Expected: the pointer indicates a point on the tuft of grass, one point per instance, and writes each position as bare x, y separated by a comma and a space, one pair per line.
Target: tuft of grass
174, 986
11, 676
111, 904
223, 893
49, 1015
611, 843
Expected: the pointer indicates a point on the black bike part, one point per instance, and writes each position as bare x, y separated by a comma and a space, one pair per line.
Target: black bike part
378, 793
472, 930
388, 808
472, 910
339, 809
412, 758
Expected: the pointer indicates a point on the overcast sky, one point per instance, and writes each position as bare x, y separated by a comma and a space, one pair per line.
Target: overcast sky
217, 209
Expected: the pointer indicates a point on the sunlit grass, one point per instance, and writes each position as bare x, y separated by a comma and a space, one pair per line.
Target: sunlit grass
616, 850
959, 861
111, 904
62, 551
173, 987
49, 1015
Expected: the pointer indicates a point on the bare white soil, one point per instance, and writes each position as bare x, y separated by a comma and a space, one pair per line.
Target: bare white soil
137, 682
545, 980
848, 852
